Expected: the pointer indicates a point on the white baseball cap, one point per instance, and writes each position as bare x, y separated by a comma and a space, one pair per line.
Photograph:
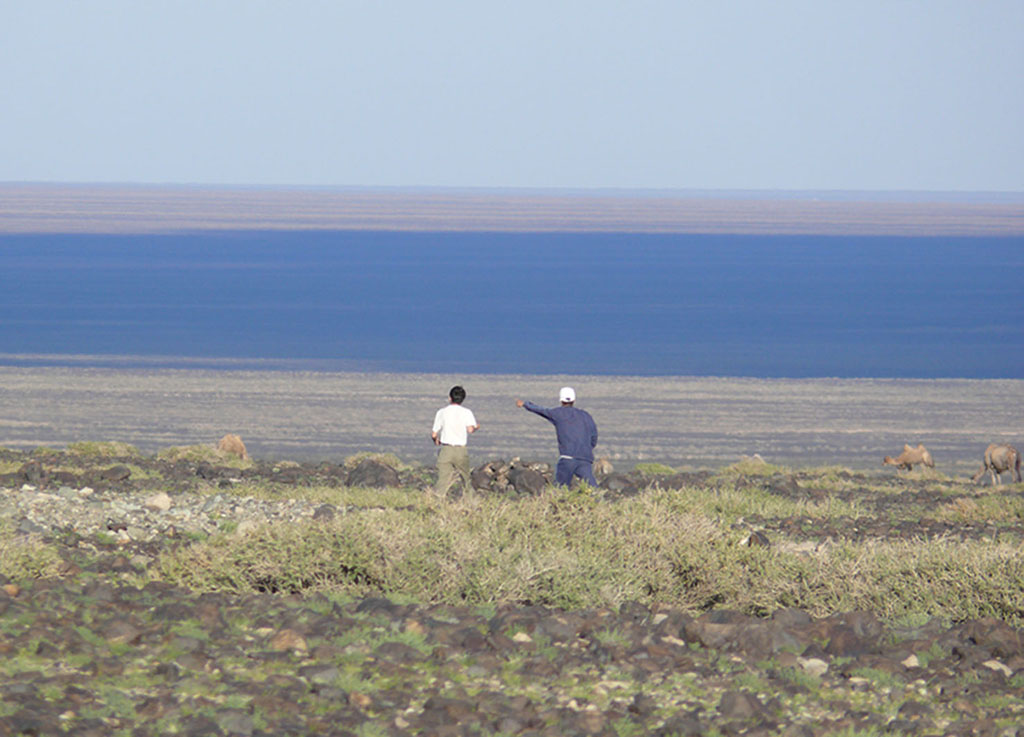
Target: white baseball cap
566, 394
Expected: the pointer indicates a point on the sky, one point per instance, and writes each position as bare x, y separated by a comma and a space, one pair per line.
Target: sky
923, 95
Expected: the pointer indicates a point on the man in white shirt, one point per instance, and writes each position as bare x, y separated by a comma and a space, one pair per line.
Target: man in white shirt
452, 427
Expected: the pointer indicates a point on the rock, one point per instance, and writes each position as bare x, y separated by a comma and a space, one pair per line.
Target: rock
322, 675
784, 486
997, 637
115, 473
996, 666
246, 527
33, 473
64, 477
621, 484
739, 705
481, 478
683, 724
526, 481
757, 539
28, 527
373, 474
843, 642
159, 502
288, 639
122, 632
210, 472
235, 722
233, 445
915, 710
814, 666
325, 513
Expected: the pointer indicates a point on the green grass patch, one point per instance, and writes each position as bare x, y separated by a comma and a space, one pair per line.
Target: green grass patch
26, 556
654, 469
105, 449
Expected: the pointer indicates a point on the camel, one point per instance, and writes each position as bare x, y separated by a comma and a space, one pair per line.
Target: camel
999, 457
233, 445
910, 457
603, 467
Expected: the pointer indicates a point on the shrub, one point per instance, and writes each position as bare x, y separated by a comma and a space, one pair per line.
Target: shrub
109, 449
388, 459
654, 469
567, 551
26, 556
201, 454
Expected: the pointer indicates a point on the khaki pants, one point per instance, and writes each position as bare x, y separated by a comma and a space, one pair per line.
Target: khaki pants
452, 461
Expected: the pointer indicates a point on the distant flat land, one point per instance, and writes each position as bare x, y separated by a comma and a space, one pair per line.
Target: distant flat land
52, 208
694, 422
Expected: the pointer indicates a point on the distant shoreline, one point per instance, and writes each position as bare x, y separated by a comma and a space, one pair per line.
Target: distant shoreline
27, 208
368, 367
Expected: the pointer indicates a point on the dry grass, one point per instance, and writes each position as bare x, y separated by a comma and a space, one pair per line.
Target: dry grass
567, 550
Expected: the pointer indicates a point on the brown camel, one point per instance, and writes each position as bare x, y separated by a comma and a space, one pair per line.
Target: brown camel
233, 444
910, 457
603, 467
1000, 457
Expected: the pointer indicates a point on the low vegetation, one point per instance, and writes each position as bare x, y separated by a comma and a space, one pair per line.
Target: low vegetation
258, 629
685, 547
680, 548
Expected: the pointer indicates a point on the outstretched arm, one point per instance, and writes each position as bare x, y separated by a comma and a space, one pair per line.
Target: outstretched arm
536, 409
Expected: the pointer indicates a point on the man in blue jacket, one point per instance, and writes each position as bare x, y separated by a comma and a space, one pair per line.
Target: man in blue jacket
577, 436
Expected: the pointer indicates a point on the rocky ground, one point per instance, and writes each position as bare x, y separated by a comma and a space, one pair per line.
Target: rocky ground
84, 653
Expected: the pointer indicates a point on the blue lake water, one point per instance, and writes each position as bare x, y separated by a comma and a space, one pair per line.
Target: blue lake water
762, 306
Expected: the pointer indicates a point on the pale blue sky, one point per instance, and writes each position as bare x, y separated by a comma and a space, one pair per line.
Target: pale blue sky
717, 94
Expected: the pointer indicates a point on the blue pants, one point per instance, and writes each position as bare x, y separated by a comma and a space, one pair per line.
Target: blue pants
569, 467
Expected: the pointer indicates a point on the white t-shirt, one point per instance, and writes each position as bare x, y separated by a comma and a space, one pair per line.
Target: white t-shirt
451, 423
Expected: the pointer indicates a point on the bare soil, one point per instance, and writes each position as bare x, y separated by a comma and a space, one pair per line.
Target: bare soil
681, 421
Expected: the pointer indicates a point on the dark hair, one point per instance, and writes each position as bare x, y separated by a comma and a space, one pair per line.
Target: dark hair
457, 394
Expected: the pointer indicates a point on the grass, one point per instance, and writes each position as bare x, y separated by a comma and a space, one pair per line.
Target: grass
653, 469
26, 556
338, 496
201, 454
573, 549
103, 449
569, 550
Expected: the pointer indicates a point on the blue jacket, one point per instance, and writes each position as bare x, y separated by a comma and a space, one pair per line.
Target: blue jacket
577, 433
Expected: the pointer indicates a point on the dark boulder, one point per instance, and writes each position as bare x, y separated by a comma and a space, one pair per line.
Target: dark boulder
373, 474
526, 481
784, 485
33, 473
481, 478
740, 705
325, 513
115, 473
620, 484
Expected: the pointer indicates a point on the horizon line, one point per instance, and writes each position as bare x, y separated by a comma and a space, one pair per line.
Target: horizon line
112, 208
742, 193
